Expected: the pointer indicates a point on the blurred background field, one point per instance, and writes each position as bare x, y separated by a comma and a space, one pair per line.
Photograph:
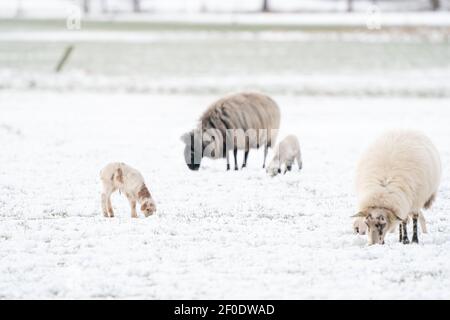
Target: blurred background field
139, 75
209, 47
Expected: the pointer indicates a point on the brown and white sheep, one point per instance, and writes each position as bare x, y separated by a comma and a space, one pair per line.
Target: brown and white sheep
130, 182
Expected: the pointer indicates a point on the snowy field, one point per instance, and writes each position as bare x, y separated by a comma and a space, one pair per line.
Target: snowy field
216, 234
132, 88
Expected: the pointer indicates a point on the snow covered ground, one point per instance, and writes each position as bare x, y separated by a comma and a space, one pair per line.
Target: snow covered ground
128, 92
216, 234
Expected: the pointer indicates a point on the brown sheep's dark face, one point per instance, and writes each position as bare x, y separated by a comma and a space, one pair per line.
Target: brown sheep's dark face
192, 151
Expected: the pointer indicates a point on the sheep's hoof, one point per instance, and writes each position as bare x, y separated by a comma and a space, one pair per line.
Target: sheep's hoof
236, 168
405, 241
228, 167
415, 240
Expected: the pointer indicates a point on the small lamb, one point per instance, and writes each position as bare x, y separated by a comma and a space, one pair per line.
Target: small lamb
119, 176
286, 152
359, 226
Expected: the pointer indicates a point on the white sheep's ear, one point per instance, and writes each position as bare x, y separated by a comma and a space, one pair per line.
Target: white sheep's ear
360, 214
186, 138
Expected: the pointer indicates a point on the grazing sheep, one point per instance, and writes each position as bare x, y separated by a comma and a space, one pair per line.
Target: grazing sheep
119, 176
396, 177
286, 152
239, 121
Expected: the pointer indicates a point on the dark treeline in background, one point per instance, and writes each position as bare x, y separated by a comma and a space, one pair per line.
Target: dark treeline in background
139, 6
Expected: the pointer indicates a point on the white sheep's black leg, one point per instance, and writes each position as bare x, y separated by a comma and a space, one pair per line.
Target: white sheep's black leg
400, 237
235, 159
228, 160
415, 238
405, 234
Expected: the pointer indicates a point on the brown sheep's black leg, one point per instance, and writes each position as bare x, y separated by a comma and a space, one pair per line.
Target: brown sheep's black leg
415, 238
265, 155
400, 237
405, 234
245, 158
247, 150
235, 159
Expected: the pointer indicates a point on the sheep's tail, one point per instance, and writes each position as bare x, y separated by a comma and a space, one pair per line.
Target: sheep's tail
430, 202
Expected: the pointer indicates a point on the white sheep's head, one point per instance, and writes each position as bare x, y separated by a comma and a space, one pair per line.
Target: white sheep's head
379, 222
193, 150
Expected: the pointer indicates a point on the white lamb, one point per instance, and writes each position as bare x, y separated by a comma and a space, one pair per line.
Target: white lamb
129, 181
286, 152
359, 226
396, 177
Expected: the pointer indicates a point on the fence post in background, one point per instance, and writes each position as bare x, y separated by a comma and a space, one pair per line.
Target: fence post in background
19, 10
136, 6
104, 4
435, 4
64, 59
86, 6
349, 5
265, 7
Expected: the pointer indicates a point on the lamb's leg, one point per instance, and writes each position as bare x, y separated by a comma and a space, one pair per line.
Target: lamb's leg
110, 208
415, 238
228, 160
235, 159
298, 157
400, 236
289, 166
405, 234
104, 205
133, 207
266, 149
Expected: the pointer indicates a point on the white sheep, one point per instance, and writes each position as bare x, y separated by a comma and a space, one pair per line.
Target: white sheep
286, 152
397, 177
129, 181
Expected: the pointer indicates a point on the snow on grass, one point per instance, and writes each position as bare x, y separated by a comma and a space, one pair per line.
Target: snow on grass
216, 234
